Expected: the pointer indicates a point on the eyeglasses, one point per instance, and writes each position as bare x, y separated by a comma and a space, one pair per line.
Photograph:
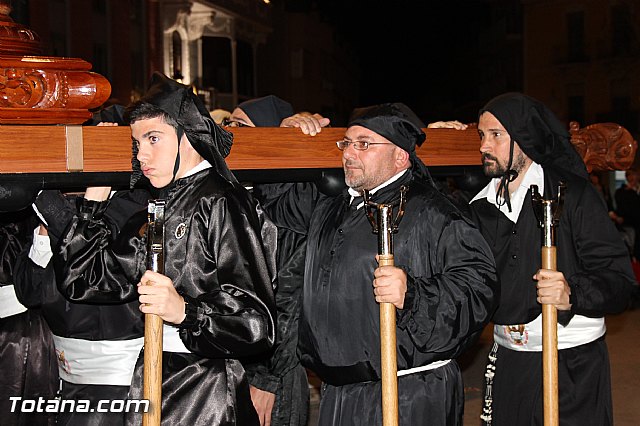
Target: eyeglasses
359, 145
226, 122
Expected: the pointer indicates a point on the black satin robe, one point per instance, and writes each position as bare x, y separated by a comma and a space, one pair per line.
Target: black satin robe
595, 263
220, 254
451, 281
28, 367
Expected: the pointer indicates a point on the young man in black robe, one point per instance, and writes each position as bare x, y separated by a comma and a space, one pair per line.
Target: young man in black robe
216, 296
524, 144
443, 285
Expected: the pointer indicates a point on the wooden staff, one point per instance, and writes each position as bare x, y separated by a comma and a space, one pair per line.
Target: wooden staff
548, 215
152, 387
383, 224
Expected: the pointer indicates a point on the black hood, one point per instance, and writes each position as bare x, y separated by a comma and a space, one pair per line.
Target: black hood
211, 141
537, 131
268, 111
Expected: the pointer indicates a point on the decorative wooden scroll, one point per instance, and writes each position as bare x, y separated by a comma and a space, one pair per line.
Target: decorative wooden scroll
43, 89
604, 146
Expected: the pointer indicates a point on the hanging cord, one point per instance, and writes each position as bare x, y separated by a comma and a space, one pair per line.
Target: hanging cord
176, 166
487, 409
502, 194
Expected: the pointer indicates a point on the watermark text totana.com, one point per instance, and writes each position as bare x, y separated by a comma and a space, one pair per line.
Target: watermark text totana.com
42, 405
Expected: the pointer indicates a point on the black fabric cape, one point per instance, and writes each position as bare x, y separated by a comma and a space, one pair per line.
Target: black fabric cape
596, 264
451, 285
223, 265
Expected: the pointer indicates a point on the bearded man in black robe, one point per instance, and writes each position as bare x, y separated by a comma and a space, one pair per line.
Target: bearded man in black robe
216, 293
443, 284
524, 144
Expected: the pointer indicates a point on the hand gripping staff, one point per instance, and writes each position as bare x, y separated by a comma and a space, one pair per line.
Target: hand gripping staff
152, 388
380, 216
548, 215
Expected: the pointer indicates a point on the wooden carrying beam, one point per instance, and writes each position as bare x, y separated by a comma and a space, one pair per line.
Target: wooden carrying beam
61, 149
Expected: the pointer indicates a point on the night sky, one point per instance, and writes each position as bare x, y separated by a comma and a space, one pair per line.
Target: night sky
417, 52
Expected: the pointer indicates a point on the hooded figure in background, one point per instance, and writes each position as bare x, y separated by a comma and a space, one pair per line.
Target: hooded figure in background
216, 293
279, 380
524, 144
443, 283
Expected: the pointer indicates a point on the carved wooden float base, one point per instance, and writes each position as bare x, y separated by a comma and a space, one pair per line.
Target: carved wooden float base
49, 90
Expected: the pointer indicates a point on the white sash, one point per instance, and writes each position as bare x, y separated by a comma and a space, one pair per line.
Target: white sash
579, 331
97, 362
9, 303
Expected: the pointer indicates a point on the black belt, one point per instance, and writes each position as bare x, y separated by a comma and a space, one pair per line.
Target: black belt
340, 376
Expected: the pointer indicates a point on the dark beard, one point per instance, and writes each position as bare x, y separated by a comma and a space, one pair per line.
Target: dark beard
493, 169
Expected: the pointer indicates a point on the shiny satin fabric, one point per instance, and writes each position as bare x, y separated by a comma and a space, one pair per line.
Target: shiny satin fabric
36, 286
27, 356
199, 392
29, 367
219, 252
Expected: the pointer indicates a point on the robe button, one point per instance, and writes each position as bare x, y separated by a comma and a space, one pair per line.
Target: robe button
332, 252
340, 231
514, 256
514, 232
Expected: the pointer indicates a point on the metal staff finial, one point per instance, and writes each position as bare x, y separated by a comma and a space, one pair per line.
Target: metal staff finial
383, 220
548, 212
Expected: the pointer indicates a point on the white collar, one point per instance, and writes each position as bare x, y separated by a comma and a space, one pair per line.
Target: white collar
533, 176
204, 164
355, 193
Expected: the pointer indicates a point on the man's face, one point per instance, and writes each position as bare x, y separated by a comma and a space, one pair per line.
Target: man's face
370, 168
494, 147
239, 118
632, 178
157, 149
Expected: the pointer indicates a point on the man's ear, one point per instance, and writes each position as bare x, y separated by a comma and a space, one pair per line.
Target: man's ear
401, 157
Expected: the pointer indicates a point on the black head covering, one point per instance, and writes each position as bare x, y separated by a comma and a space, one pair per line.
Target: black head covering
210, 141
397, 123
538, 133
268, 111
111, 114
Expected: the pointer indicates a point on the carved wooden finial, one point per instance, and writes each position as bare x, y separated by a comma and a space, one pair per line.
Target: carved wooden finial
41, 89
604, 146
16, 39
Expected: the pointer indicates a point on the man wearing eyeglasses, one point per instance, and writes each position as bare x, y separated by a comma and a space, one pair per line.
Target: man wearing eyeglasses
444, 283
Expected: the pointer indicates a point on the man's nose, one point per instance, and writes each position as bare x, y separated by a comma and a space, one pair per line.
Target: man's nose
143, 153
349, 152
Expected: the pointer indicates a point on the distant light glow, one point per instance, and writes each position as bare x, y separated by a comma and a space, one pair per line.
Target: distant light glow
266, 1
